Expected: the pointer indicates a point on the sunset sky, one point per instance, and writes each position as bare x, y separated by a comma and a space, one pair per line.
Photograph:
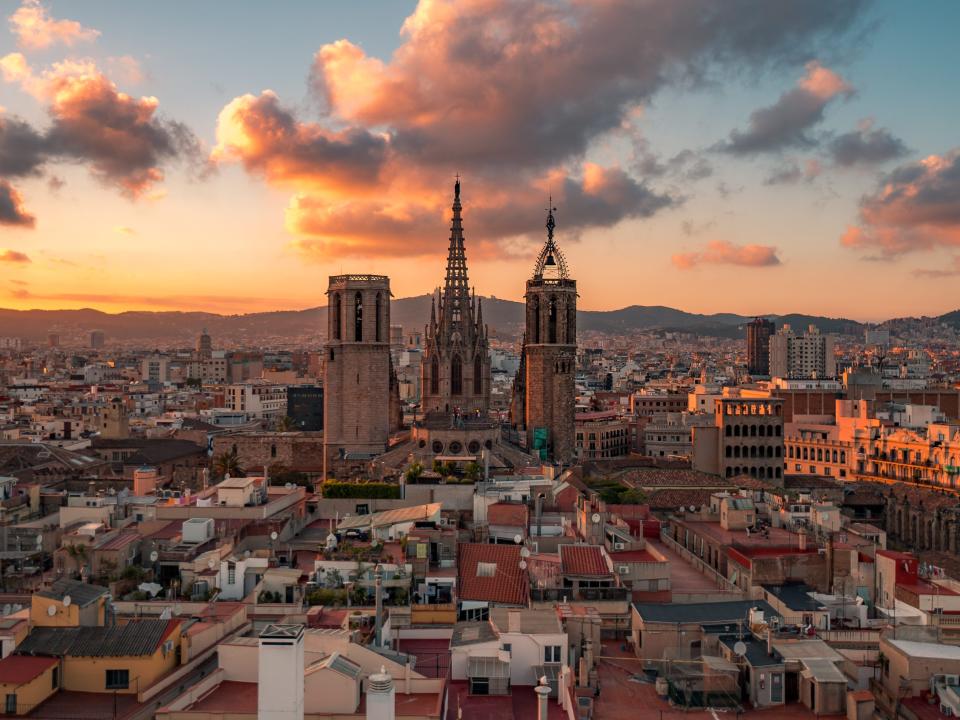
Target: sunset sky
740, 156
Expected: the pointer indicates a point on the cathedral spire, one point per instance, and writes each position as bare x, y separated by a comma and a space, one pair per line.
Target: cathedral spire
550, 262
456, 294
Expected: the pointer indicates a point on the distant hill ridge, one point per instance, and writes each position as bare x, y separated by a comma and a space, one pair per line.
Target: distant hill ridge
506, 316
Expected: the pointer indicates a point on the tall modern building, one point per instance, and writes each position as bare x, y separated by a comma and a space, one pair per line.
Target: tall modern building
357, 373
204, 345
548, 367
758, 346
98, 339
810, 355
305, 407
455, 370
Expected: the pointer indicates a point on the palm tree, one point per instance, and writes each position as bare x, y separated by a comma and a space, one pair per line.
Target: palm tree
286, 424
228, 463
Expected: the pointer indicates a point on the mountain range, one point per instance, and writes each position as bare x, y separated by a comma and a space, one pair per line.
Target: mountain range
179, 329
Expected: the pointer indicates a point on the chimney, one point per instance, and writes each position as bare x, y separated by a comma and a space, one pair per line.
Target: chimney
513, 621
803, 541
539, 512
543, 693
583, 674
280, 673
589, 654
380, 692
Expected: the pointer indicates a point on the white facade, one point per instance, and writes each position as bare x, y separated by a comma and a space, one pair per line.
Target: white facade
280, 673
256, 400
810, 355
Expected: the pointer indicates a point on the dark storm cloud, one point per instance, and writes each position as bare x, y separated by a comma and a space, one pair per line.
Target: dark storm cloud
866, 146
12, 211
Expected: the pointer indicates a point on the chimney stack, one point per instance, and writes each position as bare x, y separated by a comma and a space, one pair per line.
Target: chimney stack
380, 694
803, 541
280, 673
584, 673
543, 693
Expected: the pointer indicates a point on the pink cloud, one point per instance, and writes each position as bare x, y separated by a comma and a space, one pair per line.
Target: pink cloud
35, 29
722, 252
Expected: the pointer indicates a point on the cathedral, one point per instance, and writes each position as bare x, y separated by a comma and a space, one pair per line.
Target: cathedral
362, 417
455, 372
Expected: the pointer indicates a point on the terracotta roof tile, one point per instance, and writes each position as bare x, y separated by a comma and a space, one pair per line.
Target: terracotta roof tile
491, 573
18, 669
583, 560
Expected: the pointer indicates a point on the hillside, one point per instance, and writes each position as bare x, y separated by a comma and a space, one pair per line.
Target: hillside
506, 316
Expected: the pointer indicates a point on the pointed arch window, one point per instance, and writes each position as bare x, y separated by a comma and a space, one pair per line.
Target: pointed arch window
379, 310
456, 376
434, 376
552, 321
478, 375
570, 334
358, 317
337, 317
536, 320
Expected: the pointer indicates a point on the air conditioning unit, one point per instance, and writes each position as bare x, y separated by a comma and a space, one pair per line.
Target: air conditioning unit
618, 546
623, 569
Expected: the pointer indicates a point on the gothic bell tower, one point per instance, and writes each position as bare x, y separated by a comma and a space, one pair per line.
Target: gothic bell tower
550, 354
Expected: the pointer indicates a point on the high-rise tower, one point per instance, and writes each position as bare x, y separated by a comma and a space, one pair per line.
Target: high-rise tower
357, 369
455, 370
759, 331
550, 354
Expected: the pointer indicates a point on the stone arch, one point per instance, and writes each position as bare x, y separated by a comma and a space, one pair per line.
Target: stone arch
434, 376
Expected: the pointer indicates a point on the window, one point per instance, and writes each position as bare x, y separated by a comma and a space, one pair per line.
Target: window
55, 677
478, 375
551, 654
507, 647
379, 310
536, 320
456, 376
358, 317
231, 574
336, 317
118, 679
485, 569
11, 704
435, 376
552, 321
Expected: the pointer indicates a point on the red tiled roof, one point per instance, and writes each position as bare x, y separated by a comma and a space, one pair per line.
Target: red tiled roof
583, 560
119, 541
19, 669
508, 585
511, 514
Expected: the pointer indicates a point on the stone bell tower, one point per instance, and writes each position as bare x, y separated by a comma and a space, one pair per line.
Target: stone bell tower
550, 354
357, 370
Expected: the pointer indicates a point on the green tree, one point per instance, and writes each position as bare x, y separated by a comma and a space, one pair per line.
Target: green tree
472, 471
413, 473
633, 496
228, 463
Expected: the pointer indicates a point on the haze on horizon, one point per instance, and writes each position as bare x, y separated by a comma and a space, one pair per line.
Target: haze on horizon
712, 158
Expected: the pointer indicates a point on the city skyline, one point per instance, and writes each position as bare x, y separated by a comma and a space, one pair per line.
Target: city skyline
147, 163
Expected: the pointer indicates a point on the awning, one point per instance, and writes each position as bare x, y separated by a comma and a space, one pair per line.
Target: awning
487, 667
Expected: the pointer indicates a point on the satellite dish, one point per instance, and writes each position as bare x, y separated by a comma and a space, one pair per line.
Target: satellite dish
524, 552
39, 540
596, 517
518, 539
154, 555
523, 564
212, 563
273, 535
67, 600
693, 508
51, 610
740, 648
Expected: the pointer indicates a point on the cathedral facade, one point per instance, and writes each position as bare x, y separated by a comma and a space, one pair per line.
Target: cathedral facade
455, 370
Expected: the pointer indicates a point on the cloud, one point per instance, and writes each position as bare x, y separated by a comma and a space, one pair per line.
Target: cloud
793, 172
13, 256
866, 146
722, 252
915, 207
515, 94
787, 122
36, 30
121, 138
124, 230
12, 211
947, 272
